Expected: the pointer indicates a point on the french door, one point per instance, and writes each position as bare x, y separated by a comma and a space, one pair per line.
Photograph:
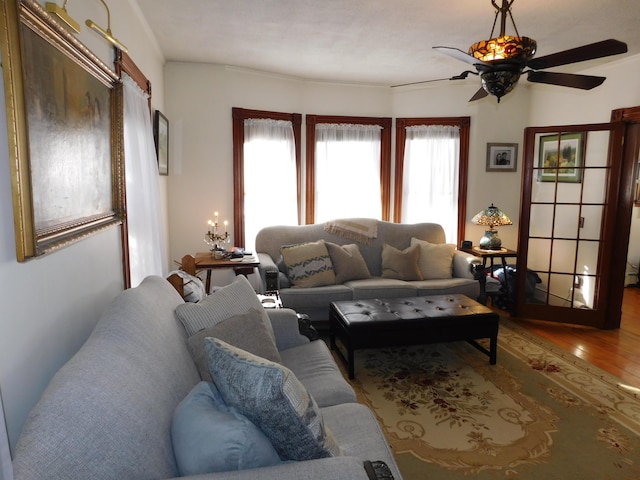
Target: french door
572, 246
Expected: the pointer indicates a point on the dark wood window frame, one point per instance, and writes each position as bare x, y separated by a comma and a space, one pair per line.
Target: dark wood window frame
125, 64
463, 174
239, 115
385, 158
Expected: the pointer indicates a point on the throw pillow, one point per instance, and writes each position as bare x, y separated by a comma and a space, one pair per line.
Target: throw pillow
436, 259
401, 264
234, 299
246, 331
348, 263
210, 436
273, 398
308, 264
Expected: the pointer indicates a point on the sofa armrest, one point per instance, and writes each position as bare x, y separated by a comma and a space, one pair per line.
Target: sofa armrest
466, 265
266, 265
286, 328
333, 468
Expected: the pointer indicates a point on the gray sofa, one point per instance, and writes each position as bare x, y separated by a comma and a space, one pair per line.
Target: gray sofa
314, 301
107, 414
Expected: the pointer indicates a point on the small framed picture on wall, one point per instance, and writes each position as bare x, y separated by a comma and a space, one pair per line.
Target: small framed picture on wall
161, 137
502, 157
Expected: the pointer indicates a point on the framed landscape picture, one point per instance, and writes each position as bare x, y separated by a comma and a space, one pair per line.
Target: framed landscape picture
502, 157
65, 133
561, 157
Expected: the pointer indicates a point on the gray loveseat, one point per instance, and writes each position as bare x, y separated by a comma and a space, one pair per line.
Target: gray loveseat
315, 301
107, 414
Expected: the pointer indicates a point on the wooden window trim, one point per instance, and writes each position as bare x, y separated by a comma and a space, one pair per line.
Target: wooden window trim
385, 158
463, 174
239, 115
124, 64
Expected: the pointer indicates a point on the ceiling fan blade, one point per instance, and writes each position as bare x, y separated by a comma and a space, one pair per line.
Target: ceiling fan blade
601, 49
478, 95
585, 82
460, 55
461, 76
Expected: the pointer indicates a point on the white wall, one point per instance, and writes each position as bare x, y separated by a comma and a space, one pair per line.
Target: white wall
200, 98
199, 102
560, 106
50, 304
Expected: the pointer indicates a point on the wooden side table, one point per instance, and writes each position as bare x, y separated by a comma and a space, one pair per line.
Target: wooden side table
491, 255
205, 261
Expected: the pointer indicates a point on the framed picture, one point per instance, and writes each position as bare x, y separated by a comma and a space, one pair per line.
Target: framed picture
502, 157
161, 137
64, 122
566, 165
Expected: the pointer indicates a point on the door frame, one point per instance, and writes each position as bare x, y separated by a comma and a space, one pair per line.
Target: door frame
631, 118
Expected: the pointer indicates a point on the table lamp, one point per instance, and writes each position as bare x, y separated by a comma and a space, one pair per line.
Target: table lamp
491, 216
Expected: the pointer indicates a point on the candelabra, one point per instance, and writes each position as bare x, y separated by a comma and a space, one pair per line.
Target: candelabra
214, 238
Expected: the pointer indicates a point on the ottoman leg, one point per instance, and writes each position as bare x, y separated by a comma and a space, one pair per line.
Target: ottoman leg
351, 363
493, 350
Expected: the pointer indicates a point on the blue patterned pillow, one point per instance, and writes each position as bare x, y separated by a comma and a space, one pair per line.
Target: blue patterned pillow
209, 436
271, 397
308, 264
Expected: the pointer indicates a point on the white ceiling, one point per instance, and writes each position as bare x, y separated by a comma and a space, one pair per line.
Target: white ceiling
380, 42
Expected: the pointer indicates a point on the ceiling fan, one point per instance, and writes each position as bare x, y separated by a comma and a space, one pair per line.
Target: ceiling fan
501, 60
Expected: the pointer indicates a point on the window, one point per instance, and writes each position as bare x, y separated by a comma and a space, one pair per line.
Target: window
348, 167
266, 172
431, 172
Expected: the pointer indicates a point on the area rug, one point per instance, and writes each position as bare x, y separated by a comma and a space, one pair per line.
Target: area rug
540, 413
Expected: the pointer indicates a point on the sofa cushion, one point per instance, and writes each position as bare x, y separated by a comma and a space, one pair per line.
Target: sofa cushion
448, 286
246, 331
273, 399
401, 264
347, 262
210, 436
313, 364
378, 287
236, 298
436, 259
308, 264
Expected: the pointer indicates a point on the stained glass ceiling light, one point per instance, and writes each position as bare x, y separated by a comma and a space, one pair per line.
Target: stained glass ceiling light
507, 54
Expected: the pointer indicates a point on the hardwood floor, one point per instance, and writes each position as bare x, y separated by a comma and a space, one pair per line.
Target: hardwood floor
614, 351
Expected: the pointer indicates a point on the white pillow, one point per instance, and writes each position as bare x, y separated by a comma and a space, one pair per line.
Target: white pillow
436, 259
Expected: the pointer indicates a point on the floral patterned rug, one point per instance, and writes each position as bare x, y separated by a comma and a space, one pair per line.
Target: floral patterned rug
540, 413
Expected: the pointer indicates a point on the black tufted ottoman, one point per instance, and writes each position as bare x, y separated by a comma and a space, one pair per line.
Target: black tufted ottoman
410, 321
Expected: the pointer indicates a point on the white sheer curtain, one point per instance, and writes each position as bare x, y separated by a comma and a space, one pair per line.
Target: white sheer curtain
270, 181
430, 178
147, 244
347, 171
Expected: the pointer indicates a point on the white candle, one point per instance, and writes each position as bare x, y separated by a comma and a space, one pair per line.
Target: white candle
215, 214
210, 223
225, 226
